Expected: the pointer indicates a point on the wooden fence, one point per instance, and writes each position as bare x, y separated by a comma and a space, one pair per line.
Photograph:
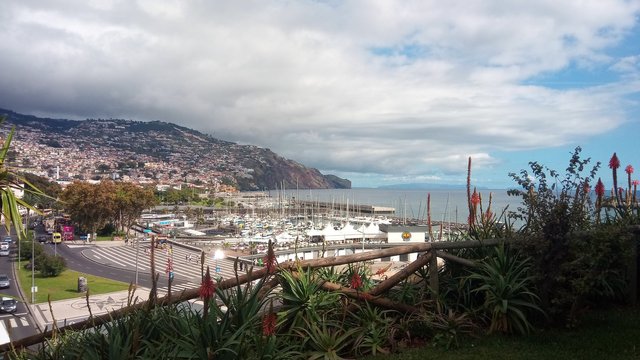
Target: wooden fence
427, 256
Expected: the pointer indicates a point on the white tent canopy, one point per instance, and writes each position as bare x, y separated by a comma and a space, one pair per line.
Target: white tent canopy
348, 232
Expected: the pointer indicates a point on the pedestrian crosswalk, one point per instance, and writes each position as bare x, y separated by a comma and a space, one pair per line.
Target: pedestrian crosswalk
177, 288
13, 321
183, 262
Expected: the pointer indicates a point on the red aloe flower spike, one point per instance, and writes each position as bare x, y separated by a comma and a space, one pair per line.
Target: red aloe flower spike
629, 171
356, 281
635, 182
614, 163
270, 260
475, 198
599, 188
207, 287
269, 322
206, 291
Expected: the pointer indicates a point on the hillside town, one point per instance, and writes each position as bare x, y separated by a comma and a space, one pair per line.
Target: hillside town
121, 154
152, 152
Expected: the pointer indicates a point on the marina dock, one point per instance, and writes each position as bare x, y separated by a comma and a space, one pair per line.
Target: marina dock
345, 207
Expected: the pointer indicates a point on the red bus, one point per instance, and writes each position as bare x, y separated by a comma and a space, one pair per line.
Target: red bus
67, 232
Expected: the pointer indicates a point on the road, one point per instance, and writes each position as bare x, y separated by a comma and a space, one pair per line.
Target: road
18, 324
113, 261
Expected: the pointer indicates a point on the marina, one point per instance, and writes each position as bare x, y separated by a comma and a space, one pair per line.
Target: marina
299, 229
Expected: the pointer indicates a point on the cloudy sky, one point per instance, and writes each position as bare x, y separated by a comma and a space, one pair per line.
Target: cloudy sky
380, 92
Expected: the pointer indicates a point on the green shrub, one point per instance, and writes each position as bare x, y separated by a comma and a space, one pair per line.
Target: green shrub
27, 249
576, 258
50, 266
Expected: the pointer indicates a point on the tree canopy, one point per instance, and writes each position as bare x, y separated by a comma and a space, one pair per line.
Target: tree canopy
92, 206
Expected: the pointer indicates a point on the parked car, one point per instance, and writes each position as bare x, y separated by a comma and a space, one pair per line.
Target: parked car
8, 239
4, 281
8, 305
4, 245
4, 252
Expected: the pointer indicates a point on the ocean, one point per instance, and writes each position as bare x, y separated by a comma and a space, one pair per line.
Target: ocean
448, 205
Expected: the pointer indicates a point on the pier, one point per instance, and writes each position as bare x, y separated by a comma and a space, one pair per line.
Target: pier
355, 208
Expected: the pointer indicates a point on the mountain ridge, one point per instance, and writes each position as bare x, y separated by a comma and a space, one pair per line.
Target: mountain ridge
180, 151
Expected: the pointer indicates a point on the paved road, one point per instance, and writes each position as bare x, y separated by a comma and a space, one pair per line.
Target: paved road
18, 324
185, 262
113, 260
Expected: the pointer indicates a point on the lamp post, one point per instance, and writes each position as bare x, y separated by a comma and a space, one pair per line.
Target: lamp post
363, 229
33, 271
9, 233
145, 232
137, 254
219, 254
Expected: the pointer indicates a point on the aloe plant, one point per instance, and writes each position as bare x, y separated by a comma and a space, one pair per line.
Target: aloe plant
505, 285
302, 297
373, 329
326, 339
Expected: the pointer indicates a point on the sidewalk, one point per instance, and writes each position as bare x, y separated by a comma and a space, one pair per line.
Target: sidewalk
76, 309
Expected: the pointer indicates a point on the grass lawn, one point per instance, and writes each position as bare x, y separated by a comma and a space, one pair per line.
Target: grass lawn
65, 286
611, 334
105, 238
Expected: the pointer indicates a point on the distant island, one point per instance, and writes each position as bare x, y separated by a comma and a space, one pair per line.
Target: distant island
426, 186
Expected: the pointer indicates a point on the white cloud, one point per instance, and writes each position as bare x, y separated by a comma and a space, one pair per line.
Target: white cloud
374, 87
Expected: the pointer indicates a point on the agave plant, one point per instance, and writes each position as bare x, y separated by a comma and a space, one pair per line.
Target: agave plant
326, 339
373, 329
357, 276
303, 298
505, 285
449, 327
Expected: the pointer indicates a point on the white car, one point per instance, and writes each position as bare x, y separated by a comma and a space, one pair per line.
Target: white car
8, 305
4, 245
4, 252
4, 281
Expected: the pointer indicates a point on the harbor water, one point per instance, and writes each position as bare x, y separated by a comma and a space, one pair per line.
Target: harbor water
446, 205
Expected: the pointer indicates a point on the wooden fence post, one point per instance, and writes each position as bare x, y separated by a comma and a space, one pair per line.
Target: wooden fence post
433, 274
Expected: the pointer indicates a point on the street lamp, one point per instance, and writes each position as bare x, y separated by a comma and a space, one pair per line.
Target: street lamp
137, 254
217, 255
33, 271
363, 229
145, 232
